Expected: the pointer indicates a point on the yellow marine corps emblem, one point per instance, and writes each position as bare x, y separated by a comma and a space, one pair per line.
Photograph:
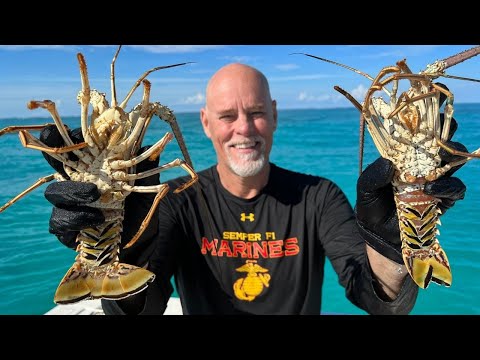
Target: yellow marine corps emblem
251, 286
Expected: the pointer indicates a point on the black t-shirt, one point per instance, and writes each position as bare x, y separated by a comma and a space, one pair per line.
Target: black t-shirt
263, 255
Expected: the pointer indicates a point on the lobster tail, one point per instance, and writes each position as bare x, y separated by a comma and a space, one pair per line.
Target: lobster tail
97, 272
430, 264
115, 281
422, 254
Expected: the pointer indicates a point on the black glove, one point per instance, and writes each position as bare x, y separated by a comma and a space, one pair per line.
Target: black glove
376, 213
71, 212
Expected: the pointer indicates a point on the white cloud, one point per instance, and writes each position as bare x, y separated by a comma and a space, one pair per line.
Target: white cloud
163, 49
302, 96
301, 77
196, 99
238, 59
286, 67
37, 47
359, 92
166, 49
305, 97
403, 51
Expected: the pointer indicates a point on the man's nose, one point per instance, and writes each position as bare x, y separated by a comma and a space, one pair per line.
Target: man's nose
244, 125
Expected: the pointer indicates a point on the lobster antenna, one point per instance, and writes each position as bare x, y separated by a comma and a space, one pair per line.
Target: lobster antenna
112, 77
438, 67
459, 77
346, 67
353, 101
336, 63
460, 57
139, 81
362, 125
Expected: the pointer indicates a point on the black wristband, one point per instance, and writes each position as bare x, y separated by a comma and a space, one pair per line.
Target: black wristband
69, 238
383, 247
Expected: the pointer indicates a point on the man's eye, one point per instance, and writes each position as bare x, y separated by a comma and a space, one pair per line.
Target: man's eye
226, 117
257, 114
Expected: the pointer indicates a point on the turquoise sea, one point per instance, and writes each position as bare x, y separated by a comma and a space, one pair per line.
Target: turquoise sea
319, 142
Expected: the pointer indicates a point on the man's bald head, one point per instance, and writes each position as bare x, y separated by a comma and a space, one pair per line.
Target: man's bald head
236, 74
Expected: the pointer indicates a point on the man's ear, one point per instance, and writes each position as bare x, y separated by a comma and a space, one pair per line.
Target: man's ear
204, 120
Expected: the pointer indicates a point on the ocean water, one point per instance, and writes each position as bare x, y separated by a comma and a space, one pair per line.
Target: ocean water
319, 142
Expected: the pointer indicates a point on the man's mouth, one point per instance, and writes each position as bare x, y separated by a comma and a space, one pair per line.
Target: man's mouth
246, 145
246, 148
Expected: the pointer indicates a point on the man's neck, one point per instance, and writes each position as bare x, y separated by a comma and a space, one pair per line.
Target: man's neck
243, 187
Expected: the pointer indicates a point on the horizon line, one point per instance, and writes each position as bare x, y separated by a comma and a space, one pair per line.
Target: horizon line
196, 111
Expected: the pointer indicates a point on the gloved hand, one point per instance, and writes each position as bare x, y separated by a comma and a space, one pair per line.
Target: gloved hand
71, 212
376, 213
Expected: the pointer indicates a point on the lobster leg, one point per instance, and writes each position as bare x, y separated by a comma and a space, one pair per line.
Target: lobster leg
410, 101
379, 134
474, 154
152, 153
10, 129
448, 114
379, 85
416, 85
446, 129
84, 99
375, 126
38, 183
141, 117
166, 114
31, 142
441, 171
62, 129
145, 104
99, 105
52, 109
170, 165
163, 190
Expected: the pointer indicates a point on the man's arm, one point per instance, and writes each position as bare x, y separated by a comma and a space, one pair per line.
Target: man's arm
346, 250
389, 275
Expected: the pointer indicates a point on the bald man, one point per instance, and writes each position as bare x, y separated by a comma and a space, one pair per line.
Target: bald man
252, 238
251, 242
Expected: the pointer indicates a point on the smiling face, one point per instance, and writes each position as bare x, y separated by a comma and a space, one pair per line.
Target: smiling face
240, 118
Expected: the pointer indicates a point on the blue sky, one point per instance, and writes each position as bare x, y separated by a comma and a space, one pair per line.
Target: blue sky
51, 72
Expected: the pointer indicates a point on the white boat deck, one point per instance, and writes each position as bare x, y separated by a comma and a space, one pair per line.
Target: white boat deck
94, 307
